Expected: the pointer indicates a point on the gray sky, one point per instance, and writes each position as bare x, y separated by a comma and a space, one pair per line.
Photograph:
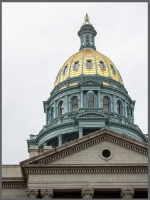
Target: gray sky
37, 38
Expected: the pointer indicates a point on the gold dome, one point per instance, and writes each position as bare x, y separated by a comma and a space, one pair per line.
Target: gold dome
100, 64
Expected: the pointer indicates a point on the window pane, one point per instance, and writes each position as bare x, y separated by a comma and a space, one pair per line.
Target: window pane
89, 64
105, 104
62, 108
76, 64
90, 100
65, 70
74, 104
102, 65
52, 113
118, 108
113, 70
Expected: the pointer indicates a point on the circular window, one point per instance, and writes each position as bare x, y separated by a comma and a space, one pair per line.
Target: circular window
106, 153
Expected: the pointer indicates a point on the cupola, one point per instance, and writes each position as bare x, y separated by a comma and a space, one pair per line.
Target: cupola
87, 34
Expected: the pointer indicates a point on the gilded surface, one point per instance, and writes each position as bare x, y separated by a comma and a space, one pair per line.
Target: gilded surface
81, 57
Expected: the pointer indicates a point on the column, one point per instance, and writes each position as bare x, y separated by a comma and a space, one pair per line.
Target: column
133, 115
66, 104
99, 99
59, 140
46, 117
55, 109
87, 193
47, 193
80, 132
114, 104
127, 193
125, 109
32, 194
81, 99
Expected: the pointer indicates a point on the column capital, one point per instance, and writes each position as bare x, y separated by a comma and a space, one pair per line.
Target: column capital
127, 193
47, 193
87, 193
32, 194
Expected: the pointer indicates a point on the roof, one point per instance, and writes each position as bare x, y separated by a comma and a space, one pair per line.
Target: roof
80, 58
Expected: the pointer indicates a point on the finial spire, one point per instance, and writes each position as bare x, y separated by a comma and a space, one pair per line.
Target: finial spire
86, 18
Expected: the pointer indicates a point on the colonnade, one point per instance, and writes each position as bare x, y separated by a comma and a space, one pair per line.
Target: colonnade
81, 104
86, 193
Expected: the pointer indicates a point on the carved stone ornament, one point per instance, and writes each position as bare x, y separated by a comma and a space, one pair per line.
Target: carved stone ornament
47, 193
87, 193
32, 194
127, 193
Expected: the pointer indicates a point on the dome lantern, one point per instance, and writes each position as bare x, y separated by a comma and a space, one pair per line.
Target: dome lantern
87, 34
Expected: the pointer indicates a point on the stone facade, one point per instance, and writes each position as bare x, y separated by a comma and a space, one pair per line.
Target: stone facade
81, 166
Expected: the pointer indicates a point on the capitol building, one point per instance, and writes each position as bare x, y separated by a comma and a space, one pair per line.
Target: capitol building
90, 146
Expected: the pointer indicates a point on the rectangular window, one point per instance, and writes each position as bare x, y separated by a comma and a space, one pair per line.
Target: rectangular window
89, 64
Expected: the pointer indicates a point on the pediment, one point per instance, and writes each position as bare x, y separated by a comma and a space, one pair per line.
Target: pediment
90, 82
99, 139
91, 115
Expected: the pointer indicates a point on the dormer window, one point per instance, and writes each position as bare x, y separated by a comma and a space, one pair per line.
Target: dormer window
76, 65
65, 70
113, 70
88, 64
102, 66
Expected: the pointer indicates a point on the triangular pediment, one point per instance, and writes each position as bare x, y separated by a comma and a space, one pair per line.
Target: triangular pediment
99, 139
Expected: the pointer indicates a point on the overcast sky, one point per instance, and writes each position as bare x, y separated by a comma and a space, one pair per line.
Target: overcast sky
37, 38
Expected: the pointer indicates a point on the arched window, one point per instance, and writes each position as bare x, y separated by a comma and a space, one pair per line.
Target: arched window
106, 104
90, 100
61, 108
52, 113
74, 103
119, 107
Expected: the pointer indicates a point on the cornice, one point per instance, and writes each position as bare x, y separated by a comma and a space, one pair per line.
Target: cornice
130, 127
85, 169
83, 79
58, 126
12, 185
